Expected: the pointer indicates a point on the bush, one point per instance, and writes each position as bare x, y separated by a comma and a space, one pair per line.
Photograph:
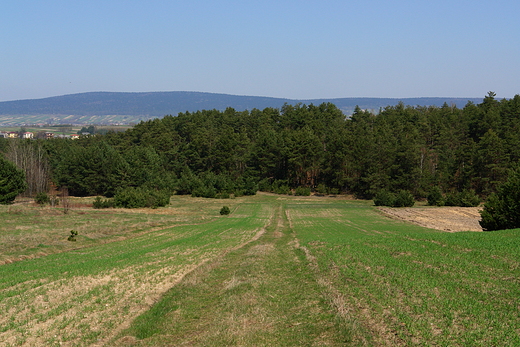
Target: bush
140, 197
280, 187
321, 189
282, 190
42, 198
187, 183
452, 199
468, 198
384, 198
334, 191
225, 210
402, 199
100, 203
222, 195
502, 210
204, 192
302, 191
264, 185
72, 236
248, 186
435, 197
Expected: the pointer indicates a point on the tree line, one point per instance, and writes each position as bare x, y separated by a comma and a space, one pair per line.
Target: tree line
215, 153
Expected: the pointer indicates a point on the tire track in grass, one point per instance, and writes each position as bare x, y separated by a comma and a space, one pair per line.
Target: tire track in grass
367, 329
78, 299
176, 280
257, 295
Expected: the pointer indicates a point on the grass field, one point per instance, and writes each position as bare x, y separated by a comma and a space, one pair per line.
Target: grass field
278, 271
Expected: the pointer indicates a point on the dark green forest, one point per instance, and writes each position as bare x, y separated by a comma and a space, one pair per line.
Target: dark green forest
299, 147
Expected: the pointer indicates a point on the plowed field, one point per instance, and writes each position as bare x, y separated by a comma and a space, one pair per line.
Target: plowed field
449, 219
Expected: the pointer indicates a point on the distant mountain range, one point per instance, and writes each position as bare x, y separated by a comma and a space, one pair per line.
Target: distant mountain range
125, 108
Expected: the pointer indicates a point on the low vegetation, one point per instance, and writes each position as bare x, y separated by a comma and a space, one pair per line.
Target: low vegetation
72, 236
401, 199
279, 270
502, 210
225, 210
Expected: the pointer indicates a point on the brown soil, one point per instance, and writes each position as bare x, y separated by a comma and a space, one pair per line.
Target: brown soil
449, 219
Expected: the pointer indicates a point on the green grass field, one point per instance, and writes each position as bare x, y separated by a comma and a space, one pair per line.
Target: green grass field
278, 271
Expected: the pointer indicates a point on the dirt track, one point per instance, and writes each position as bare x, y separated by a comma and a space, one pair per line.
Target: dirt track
449, 219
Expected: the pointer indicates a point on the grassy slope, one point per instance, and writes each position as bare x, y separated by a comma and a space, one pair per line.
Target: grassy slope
260, 295
387, 283
325, 272
83, 296
29, 231
410, 285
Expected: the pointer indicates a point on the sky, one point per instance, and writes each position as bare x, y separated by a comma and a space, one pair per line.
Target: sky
301, 49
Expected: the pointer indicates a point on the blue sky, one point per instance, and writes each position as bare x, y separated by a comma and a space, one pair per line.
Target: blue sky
293, 49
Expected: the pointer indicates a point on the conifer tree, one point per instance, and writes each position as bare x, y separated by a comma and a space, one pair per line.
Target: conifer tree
12, 181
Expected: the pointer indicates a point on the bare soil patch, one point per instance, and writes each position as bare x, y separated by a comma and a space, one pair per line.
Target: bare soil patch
450, 219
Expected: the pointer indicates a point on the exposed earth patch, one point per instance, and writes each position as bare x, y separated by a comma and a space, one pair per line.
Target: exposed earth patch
449, 219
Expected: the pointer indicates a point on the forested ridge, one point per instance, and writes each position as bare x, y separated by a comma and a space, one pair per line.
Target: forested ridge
217, 153
157, 104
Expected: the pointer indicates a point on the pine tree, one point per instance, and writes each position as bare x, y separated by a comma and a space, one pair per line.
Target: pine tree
12, 181
502, 210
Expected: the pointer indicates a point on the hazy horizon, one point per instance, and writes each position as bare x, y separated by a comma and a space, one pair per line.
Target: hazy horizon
263, 96
260, 96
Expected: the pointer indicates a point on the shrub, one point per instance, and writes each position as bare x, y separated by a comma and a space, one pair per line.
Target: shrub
502, 210
42, 198
282, 190
187, 183
302, 191
321, 189
140, 197
435, 197
404, 199
280, 187
204, 192
468, 198
250, 189
384, 198
100, 203
334, 191
223, 195
72, 236
248, 186
225, 210
452, 199
264, 185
